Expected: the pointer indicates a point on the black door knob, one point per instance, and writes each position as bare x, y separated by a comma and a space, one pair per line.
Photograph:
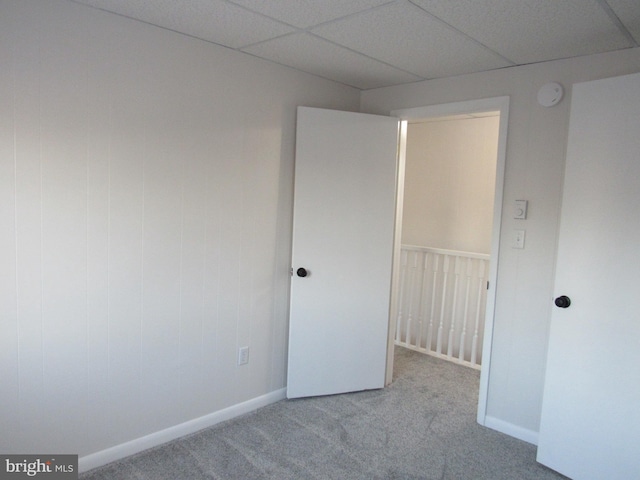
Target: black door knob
302, 272
563, 301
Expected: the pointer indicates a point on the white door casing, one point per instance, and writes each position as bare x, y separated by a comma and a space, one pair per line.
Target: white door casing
343, 235
590, 424
501, 105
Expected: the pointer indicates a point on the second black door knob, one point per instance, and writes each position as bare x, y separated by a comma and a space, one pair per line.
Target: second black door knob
563, 301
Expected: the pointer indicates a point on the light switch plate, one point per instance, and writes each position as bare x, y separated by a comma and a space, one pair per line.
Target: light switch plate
518, 239
520, 210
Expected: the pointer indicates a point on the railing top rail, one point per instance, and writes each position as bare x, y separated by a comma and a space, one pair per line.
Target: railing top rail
443, 251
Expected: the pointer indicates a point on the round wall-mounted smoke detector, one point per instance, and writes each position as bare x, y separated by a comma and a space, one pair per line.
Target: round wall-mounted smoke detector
550, 94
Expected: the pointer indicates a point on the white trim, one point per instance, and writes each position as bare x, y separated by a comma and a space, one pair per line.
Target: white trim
132, 447
487, 344
444, 251
467, 107
512, 430
397, 246
441, 356
500, 104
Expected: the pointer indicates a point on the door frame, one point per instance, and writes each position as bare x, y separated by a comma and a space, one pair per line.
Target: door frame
501, 105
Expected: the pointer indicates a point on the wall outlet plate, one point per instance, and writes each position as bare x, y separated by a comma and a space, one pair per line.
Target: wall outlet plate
243, 355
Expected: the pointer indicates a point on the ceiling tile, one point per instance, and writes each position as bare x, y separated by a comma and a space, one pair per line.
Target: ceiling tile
304, 13
405, 36
628, 11
372, 43
311, 54
528, 31
216, 21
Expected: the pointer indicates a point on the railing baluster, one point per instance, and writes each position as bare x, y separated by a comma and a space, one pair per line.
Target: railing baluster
421, 300
436, 261
403, 268
445, 275
454, 302
474, 343
465, 316
412, 288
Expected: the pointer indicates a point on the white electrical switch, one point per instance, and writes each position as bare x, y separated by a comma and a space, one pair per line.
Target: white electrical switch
518, 239
520, 210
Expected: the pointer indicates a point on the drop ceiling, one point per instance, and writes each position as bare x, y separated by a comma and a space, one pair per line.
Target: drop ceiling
375, 43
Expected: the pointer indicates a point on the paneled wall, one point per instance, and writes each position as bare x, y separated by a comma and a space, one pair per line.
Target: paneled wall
145, 223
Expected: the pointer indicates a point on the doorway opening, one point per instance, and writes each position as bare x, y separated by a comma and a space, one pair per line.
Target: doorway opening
446, 235
448, 229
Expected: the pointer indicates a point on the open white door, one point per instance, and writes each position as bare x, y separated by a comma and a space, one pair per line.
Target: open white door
343, 234
590, 426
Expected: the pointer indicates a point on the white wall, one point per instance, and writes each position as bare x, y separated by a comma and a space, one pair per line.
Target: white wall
145, 219
449, 184
534, 170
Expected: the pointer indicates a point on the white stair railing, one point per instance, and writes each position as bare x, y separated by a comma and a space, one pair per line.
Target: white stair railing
442, 298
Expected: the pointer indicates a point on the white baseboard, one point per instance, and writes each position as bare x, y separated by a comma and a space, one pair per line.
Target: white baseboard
123, 450
512, 430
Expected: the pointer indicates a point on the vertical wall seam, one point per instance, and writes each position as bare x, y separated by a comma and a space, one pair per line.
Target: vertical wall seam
87, 286
218, 283
142, 232
109, 154
181, 272
15, 213
237, 377
42, 304
204, 274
